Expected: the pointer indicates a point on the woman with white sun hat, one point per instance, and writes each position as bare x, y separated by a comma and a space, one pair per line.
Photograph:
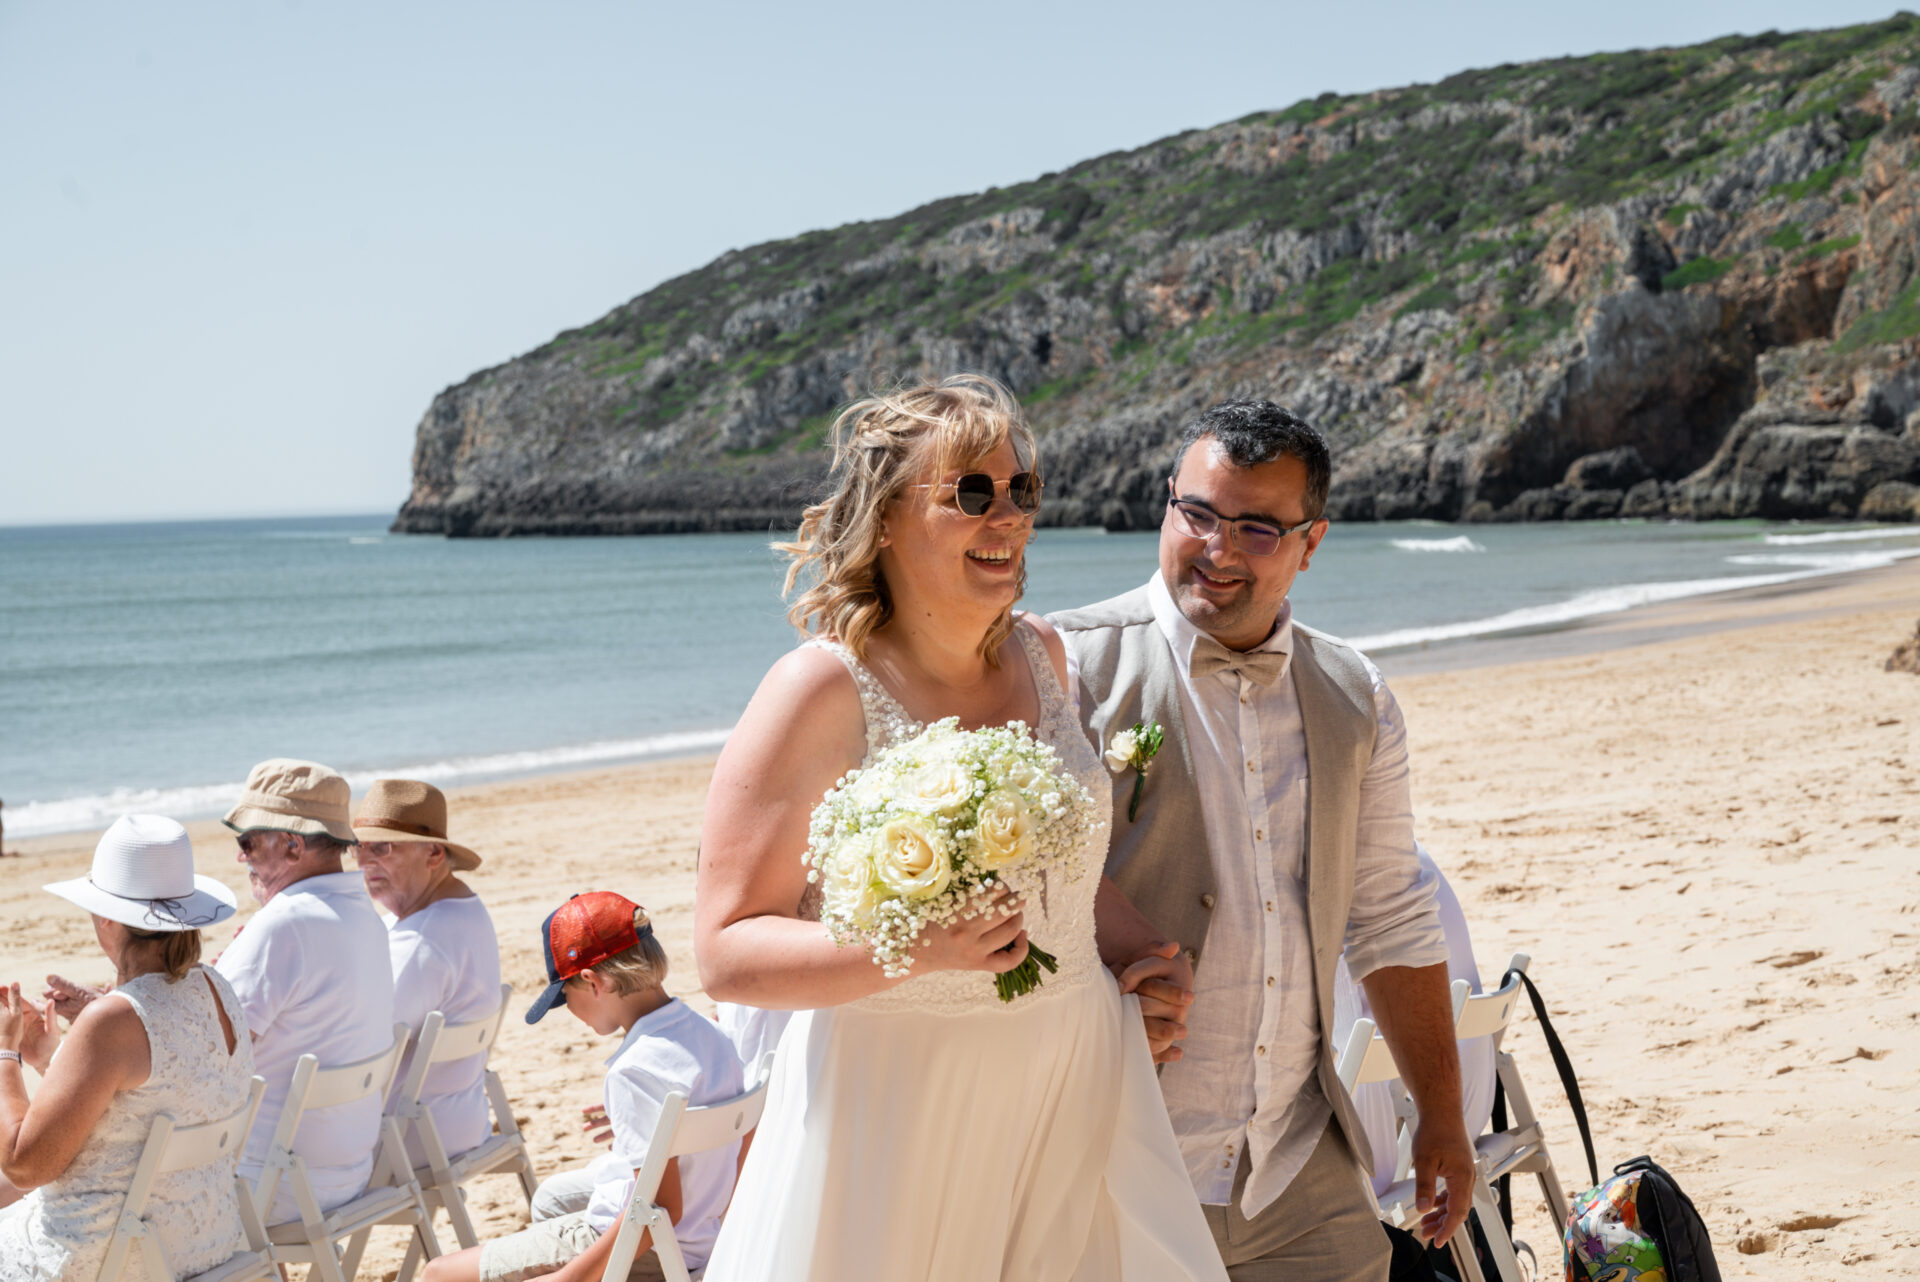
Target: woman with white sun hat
170, 1038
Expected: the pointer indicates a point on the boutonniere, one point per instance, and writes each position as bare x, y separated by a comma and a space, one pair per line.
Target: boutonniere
1132, 750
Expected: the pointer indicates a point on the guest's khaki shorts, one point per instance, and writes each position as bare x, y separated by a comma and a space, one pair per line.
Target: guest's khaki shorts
545, 1245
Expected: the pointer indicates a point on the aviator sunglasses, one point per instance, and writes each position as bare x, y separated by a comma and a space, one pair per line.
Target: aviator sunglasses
973, 493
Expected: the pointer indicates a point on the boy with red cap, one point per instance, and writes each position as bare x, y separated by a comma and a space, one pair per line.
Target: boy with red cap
605, 966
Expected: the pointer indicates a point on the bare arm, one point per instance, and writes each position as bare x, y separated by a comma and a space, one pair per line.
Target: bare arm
1147, 963
801, 733
105, 1052
592, 1262
1415, 1014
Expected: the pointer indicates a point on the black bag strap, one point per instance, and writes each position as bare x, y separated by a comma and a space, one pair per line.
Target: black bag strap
1503, 1187
1564, 1067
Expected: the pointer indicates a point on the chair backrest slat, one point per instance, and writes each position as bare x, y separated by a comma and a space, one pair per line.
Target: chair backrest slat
712, 1125
346, 1083
191, 1146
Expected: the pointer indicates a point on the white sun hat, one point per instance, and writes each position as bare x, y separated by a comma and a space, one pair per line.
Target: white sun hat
143, 877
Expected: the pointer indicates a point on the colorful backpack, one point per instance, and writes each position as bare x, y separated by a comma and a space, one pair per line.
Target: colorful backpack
1638, 1227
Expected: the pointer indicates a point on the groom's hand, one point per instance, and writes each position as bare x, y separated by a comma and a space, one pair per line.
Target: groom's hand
1163, 981
1442, 1153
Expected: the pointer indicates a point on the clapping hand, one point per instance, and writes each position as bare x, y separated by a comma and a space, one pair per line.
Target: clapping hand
1163, 980
597, 1127
67, 998
27, 1028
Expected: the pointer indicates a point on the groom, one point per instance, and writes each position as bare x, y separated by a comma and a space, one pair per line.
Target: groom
1274, 828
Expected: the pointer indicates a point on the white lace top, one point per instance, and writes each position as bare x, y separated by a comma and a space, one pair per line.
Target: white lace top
1059, 909
61, 1230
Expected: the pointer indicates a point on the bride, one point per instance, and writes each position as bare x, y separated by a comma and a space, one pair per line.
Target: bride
920, 1128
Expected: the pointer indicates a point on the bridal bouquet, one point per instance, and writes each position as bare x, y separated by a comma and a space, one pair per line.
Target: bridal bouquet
934, 825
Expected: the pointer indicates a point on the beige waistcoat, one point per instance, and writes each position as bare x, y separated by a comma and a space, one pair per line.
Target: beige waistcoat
1160, 860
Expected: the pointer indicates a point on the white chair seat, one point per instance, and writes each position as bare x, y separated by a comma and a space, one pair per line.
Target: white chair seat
246, 1265
1504, 1152
370, 1208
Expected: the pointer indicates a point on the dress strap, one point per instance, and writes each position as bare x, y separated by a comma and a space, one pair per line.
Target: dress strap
887, 718
1046, 682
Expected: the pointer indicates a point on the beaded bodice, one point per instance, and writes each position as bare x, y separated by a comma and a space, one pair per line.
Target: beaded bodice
1058, 902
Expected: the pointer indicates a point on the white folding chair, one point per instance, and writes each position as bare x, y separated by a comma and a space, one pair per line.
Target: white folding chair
1521, 1147
1366, 1059
443, 1174
171, 1148
681, 1130
391, 1197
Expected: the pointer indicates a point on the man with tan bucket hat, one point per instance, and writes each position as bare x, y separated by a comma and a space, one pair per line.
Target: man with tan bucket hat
310, 969
440, 942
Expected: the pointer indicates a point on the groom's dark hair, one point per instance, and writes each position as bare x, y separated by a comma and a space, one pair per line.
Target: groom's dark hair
1255, 432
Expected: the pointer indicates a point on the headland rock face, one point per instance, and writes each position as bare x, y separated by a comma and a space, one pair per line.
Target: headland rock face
1671, 282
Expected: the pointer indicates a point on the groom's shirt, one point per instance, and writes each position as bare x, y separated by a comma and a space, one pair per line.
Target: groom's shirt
1246, 1081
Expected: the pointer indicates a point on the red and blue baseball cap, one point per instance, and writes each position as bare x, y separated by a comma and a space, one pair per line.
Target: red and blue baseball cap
583, 932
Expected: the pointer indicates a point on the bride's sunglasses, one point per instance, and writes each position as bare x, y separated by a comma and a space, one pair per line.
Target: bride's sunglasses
973, 493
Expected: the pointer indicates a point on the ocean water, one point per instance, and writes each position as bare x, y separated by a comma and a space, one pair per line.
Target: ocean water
148, 666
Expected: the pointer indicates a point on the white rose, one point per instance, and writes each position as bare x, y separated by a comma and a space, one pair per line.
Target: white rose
1025, 774
849, 889
1005, 829
937, 787
1120, 751
909, 859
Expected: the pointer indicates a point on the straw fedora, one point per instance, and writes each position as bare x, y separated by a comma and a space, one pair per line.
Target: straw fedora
408, 810
143, 877
284, 795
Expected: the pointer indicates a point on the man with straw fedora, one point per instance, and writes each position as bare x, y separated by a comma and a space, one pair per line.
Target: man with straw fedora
440, 941
310, 969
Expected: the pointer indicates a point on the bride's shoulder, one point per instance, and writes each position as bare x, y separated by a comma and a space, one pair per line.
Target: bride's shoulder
807, 706
810, 681
1056, 647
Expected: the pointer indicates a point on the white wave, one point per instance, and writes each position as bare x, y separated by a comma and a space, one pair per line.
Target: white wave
76, 814
1831, 562
1843, 536
1460, 543
1613, 600
371, 538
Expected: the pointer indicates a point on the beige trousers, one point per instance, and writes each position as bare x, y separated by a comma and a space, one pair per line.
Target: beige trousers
1322, 1228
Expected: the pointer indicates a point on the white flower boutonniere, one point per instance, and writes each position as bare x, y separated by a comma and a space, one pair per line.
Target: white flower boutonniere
1132, 750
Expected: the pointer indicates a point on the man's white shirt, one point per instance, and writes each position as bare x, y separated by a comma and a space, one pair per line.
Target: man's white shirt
311, 973
1246, 1079
446, 957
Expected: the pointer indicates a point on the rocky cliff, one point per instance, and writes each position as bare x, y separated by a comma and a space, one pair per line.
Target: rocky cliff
1672, 282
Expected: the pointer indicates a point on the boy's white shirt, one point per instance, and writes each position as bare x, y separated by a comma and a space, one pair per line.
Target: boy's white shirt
673, 1048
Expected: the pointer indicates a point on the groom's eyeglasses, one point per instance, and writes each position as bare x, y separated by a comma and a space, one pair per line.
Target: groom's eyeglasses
1256, 538
973, 493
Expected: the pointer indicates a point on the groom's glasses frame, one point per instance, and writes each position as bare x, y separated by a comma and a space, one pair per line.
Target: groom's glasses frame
1256, 538
974, 493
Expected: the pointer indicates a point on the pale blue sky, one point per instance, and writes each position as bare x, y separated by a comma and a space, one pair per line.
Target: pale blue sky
243, 245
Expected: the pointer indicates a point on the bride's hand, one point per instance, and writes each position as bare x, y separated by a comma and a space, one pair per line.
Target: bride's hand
994, 941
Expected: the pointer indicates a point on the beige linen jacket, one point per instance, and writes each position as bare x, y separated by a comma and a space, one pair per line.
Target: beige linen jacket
1128, 674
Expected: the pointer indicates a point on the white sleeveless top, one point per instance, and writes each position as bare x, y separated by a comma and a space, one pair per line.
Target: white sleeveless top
61, 1229
1058, 902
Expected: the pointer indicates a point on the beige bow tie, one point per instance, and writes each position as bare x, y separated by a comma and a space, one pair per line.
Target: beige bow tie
1262, 667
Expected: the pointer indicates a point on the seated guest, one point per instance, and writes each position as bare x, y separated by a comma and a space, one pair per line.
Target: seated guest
440, 941
170, 1037
1374, 1102
606, 967
311, 971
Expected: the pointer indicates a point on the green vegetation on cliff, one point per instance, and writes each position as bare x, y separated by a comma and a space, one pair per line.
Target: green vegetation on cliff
1412, 265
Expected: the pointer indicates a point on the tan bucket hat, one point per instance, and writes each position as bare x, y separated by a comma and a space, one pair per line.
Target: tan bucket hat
408, 810
284, 795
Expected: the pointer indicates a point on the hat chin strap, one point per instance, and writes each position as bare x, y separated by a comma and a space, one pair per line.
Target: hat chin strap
173, 905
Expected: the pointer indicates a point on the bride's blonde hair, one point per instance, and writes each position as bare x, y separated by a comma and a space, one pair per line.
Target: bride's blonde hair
881, 445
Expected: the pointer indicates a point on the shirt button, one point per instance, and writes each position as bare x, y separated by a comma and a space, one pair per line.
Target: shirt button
1227, 1165
1269, 981
1259, 834
1192, 956
1246, 696
1269, 905
1259, 1050
1206, 900
1251, 767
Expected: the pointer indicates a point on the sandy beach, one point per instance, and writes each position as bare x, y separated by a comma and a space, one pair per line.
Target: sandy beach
1699, 819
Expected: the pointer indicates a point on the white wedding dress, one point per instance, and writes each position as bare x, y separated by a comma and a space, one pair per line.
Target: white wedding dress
932, 1132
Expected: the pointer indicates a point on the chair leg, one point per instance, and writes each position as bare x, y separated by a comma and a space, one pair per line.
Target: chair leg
449, 1197
356, 1247
673, 1265
1499, 1246
326, 1265
528, 1184
411, 1263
